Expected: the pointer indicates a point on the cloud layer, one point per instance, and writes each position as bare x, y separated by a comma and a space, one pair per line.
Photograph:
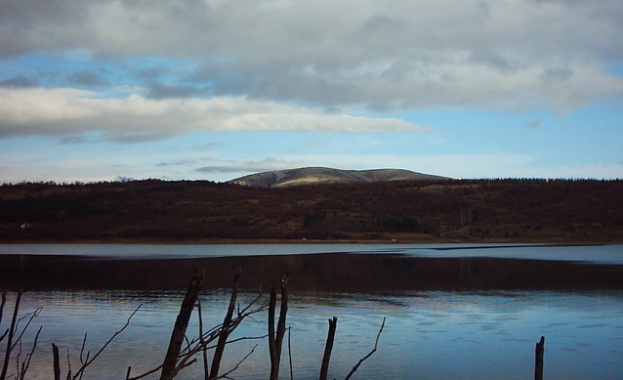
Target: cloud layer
41, 111
380, 55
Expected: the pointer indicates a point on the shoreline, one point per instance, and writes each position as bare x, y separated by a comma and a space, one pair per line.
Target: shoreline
550, 241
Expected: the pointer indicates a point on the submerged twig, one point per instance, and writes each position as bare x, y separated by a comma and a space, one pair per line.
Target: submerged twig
26, 362
30, 317
89, 359
237, 365
376, 343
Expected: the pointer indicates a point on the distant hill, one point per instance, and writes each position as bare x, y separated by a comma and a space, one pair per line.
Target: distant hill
318, 175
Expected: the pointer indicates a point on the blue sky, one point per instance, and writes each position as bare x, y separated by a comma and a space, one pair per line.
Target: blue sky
217, 89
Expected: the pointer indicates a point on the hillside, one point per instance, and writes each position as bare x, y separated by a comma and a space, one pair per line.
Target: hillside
426, 210
320, 175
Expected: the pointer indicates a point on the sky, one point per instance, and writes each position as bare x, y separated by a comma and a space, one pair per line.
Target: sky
104, 90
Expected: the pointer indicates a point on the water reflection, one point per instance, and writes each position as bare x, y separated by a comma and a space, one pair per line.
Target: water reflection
310, 272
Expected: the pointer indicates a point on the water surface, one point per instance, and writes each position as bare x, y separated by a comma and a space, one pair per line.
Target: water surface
453, 311
607, 253
428, 335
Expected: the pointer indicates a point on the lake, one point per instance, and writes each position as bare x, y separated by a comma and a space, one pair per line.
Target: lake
453, 311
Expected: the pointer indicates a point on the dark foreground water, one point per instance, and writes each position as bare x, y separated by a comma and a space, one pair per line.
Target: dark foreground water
448, 317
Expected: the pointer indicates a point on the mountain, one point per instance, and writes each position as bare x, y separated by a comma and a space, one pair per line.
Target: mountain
317, 175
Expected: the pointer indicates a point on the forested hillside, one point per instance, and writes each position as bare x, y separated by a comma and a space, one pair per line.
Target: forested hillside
198, 211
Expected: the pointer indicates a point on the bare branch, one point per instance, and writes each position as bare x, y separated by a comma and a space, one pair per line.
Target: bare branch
1, 313
272, 350
204, 353
225, 329
376, 343
30, 317
290, 352
224, 375
146, 373
68, 366
201, 343
26, 362
281, 324
84, 342
276, 338
9, 345
90, 360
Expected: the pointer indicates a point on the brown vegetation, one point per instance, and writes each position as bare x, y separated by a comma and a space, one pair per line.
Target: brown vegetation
200, 211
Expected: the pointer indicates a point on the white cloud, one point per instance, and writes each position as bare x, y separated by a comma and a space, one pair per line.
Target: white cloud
67, 112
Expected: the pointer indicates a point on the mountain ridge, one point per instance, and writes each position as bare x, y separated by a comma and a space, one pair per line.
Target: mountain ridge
322, 175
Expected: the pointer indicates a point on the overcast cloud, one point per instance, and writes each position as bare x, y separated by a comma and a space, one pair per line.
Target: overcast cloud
377, 54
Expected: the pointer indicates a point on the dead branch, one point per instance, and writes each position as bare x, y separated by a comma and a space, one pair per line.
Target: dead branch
82, 347
30, 317
225, 329
204, 353
89, 359
538, 362
202, 343
57, 364
181, 323
1, 313
237, 365
376, 343
283, 311
9, 345
26, 362
146, 373
324, 368
276, 338
272, 350
290, 352
68, 366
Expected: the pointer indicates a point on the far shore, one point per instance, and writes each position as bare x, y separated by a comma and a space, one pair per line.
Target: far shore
401, 240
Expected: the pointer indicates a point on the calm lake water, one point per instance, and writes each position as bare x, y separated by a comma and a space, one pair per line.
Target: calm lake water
611, 253
428, 334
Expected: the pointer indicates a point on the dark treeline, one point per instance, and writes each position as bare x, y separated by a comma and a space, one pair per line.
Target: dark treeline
452, 210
